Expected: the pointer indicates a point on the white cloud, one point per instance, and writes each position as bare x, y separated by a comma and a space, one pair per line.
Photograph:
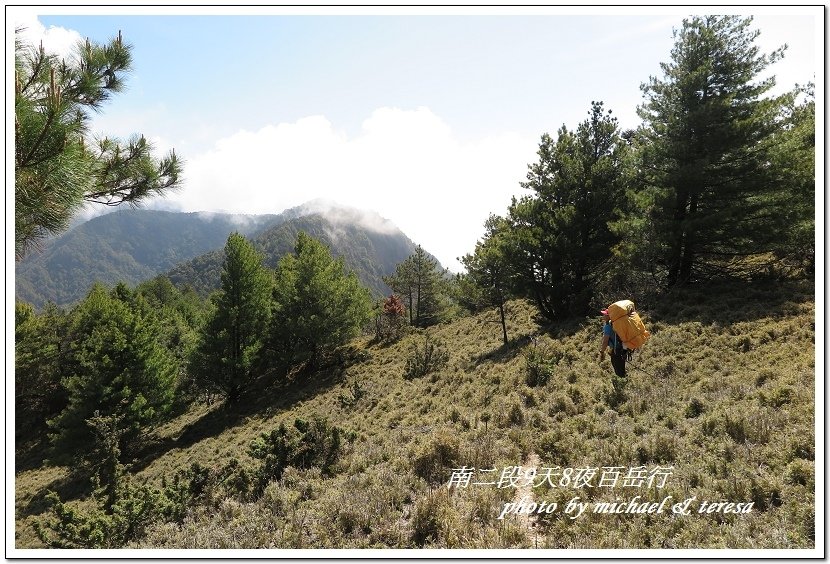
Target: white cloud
338, 215
405, 164
56, 40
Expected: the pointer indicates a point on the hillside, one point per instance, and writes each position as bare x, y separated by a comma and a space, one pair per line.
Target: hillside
371, 251
135, 245
125, 246
721, 400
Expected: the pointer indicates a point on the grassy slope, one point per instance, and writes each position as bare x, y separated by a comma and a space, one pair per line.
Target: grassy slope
723, 392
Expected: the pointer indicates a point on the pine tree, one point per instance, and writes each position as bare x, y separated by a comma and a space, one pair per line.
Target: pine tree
402, 282
317, 304
709, 194
57, 166
420, 283
40, 355
181, 316
488, 268
227, 358
794, 158
117, 368
559, 237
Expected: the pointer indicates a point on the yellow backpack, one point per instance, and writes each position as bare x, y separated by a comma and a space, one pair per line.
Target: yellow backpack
627, 324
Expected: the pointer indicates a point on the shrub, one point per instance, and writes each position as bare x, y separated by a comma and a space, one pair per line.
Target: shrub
616, 395
694, 409
802, 448
390, 323
434, 461
660, 448
236, 480
304, 445
515, 415
664, 449
424, 360
101, 526
798, 472
736, 428
744, 344
764, 375
121, 511
562, 403
539, 365
427, 519
356, 392
188, 487
348, 355
710, 426
553, 449
764, 494
778, 397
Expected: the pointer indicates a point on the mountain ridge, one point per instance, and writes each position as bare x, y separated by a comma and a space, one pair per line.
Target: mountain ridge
134, 245
371, 254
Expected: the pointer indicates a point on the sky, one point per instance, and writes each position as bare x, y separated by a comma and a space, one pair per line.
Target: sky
430, 117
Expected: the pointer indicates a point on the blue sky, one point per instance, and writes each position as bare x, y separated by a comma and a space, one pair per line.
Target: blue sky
427, 118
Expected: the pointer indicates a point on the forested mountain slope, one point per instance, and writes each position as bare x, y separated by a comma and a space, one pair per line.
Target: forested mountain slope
371, 252
131, 246
125, 246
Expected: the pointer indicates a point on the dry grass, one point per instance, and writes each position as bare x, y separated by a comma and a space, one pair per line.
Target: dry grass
723, 392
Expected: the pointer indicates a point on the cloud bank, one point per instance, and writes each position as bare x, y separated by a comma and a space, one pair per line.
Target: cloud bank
56, 40
406, 165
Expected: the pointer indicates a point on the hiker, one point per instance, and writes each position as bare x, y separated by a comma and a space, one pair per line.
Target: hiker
610, 338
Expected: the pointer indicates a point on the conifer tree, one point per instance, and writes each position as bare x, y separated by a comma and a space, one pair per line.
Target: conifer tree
317, 304
228, 355
559, 237
58, 167
709, 196
116, 368
181, 316
488, 268
794, 159
40, 355
419, 282
402, 282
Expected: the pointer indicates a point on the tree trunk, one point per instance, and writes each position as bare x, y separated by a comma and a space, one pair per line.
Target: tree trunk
689, 248
675, 258
503, 324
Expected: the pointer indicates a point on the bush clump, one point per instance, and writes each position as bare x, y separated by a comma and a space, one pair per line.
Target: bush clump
423, 360
798, 472
539, 366
102, 525
426, 521
303, 445
434, 461
694, 409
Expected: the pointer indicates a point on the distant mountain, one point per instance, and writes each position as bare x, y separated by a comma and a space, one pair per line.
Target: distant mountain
129, 246
134, 245
370, 246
